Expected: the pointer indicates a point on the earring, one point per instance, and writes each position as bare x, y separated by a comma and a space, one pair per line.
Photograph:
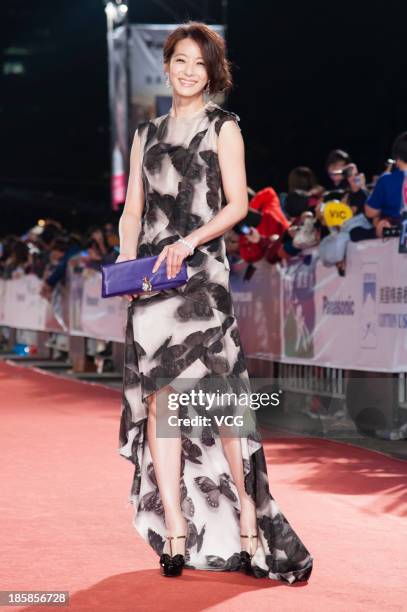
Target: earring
167, 80
207, 90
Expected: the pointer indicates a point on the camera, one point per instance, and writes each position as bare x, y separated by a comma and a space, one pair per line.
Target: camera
351, 172
252, 219
348, 171
391, 232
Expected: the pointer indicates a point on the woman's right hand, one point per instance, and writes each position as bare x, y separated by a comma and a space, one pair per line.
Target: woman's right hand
124, 257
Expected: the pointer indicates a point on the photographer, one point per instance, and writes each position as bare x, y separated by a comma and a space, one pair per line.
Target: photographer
389, 197
261, 241
335, 164
345, 180
356, 193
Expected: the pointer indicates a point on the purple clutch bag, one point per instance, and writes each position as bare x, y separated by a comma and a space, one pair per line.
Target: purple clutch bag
136, 276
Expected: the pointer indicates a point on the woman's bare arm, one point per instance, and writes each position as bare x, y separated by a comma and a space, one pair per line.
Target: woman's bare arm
130, 220
233, 172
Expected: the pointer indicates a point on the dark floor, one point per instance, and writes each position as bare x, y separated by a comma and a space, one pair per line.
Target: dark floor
302, 424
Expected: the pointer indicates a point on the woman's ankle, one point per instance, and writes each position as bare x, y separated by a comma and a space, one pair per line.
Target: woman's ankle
174, 544
248, 516
176, 525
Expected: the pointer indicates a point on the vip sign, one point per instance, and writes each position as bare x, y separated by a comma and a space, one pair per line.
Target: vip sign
335, 213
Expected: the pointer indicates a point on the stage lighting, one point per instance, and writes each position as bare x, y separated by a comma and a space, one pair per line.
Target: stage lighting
116, 12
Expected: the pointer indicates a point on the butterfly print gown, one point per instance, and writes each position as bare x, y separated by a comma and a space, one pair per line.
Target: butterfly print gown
186, 334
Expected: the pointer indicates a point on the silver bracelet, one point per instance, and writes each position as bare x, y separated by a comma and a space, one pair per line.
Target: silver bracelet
188, 244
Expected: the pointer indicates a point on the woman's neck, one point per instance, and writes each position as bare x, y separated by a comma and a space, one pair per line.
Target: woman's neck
182, 107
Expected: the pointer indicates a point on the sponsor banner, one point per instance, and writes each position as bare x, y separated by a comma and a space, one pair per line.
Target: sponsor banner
301, 312
257, 306
358, 321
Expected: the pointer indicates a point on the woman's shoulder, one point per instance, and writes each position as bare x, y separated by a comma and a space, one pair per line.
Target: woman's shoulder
219, 115
146, 130
152, 123
216, 115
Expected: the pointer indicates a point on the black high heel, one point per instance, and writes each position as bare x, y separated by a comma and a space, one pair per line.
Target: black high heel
245, 557
172, 565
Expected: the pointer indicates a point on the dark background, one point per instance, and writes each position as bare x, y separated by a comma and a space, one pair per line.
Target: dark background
309, 77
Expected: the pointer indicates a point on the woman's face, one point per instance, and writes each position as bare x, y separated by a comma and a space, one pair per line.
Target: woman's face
186, 70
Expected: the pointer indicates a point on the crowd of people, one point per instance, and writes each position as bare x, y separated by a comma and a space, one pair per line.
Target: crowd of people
278, 227
288, 224
46, 249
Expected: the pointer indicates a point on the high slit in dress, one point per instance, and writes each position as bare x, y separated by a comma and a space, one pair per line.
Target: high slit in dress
190, 334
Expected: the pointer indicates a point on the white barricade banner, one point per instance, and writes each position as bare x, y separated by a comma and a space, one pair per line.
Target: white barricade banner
102, 318
256, 304
300, 312
358, 321
3, 288
23, 307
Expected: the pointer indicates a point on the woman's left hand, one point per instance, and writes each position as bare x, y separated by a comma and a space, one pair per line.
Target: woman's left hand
174, 254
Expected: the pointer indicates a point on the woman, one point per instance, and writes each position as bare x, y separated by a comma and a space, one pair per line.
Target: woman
194, 495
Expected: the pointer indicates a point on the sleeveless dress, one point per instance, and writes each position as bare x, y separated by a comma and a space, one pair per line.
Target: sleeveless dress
188, 336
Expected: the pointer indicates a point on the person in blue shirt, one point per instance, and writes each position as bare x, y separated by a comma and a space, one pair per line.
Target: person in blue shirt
389, 197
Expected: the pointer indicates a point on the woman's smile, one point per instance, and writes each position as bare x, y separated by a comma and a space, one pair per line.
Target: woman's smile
186, 83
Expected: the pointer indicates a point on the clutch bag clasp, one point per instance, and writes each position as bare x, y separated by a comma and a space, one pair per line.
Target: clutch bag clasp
146, 285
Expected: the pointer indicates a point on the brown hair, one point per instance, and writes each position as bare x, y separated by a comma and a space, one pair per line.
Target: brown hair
213, 50
301, 178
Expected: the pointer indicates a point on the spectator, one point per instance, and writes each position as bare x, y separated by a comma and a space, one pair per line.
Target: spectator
300, 205
389, 197
18, 260
262, 240
356, 196
356, 192
111, 234
61, 250
8, 244
232, 246
334, 166
351, 189
297, 210
100, 251
302, 180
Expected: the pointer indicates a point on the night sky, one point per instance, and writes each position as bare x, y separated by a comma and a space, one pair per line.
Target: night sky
309, 77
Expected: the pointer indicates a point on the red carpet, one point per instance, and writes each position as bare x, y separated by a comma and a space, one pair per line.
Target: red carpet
66, 524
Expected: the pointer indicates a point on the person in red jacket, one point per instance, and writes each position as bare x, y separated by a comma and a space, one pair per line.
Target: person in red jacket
263, 239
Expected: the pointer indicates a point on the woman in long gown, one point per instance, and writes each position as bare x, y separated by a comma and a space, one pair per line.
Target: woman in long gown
200, 493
